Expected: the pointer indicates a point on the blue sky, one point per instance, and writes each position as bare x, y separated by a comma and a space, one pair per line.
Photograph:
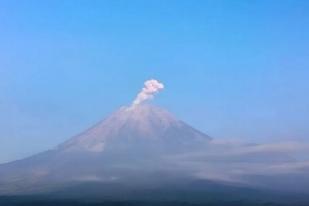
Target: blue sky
233, 69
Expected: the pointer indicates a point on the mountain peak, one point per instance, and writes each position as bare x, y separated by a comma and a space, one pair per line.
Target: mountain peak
143, 122
147, 112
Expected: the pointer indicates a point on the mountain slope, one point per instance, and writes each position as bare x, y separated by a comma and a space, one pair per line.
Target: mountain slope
132, 141
141, 123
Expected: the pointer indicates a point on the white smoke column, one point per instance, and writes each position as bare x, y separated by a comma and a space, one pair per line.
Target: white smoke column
151, 87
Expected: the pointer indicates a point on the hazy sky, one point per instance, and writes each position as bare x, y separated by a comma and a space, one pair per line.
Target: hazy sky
233, 69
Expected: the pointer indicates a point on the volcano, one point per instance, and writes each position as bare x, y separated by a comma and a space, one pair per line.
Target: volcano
143, 124
131, 141
144, 153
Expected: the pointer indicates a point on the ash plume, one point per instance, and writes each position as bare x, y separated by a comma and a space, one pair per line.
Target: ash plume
151, 87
